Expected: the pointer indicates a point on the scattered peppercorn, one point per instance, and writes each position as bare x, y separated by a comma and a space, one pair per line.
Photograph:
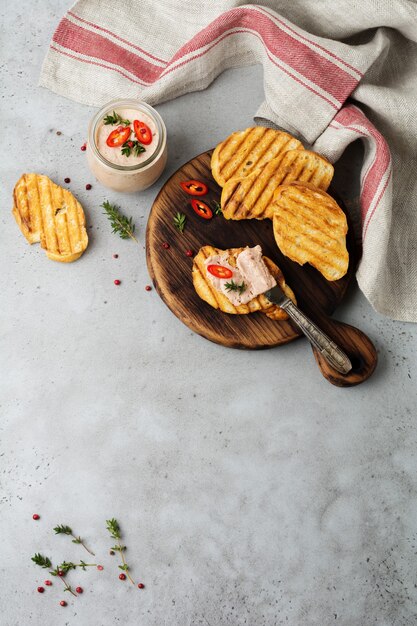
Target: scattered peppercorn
58, 132
88, 187
84, 147
117, 281
148, 288
115, 256
67, 180
111, 552
35, 516
79, 589
189, 253
48, 583
63, 603
165, 245
41, 589
141, 585
122, 576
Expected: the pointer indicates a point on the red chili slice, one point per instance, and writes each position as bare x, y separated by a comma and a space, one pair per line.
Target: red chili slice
220, 271
194, 187
118, 136
202, 209
143, 132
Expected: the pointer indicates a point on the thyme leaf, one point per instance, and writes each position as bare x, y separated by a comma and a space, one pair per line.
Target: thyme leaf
115, 119
179, 221
130, 146
232, 286
217, 209
114, 530
121, 224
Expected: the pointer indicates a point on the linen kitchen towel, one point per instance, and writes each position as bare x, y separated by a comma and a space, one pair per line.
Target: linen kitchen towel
315, 55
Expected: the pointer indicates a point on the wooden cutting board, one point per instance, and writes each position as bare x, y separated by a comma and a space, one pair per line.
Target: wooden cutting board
170, 270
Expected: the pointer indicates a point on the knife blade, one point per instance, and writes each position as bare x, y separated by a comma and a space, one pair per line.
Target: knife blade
330, 351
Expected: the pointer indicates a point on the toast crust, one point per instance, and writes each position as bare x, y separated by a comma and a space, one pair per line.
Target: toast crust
252, 196
50, 215
310, 227
246, 150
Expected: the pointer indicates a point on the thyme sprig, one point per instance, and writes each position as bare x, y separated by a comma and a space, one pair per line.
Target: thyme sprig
66, 566
115, 119
62, 529
114, 530
232, 286
121, 224
45, 562
217, 209
130, 146
179, 221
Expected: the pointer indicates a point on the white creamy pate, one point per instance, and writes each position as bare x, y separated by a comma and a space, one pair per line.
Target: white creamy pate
114, 155
250, 270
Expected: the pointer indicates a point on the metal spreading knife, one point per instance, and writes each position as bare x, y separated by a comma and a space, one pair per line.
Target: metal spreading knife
330, 351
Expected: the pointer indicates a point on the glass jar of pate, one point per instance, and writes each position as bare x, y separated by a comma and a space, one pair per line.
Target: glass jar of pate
127, 161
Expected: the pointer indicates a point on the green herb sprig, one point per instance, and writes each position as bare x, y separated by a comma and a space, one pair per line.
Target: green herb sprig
232, 286
114, 530
66, 530
115, 119
45, 562
66, 566
179, 221
121, 224
217, 209
136, 148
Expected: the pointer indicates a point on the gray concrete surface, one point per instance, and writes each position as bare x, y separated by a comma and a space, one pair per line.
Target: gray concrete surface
250, 491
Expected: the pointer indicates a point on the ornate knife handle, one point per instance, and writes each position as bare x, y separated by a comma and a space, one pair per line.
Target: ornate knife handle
330, 351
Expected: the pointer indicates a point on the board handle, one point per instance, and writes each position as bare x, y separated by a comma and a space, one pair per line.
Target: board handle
357, 346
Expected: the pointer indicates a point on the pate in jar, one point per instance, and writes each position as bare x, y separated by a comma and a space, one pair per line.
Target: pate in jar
127, 145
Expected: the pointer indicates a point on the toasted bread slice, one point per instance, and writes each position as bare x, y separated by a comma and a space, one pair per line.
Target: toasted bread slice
218, 300
248, 149
310, 227
252, 196
49, 214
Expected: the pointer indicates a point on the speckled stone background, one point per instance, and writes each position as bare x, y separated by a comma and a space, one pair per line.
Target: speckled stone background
250, 491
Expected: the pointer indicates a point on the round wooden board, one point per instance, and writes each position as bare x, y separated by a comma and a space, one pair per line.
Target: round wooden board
170, 269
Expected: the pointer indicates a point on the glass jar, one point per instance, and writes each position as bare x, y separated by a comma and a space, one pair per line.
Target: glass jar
119, 171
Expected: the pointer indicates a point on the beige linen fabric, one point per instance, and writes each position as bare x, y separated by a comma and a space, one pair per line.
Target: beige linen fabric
315, 56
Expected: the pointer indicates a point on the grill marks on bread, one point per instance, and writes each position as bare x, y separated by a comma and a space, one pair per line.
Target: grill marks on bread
251, 197
50, 215
310, 227
246, 150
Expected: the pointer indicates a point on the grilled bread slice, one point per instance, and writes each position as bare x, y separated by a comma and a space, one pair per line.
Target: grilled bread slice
252, 196
49, 214
248, 149
310, 227
218, 300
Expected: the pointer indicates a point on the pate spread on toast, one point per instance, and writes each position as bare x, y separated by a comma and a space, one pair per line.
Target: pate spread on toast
208, 291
